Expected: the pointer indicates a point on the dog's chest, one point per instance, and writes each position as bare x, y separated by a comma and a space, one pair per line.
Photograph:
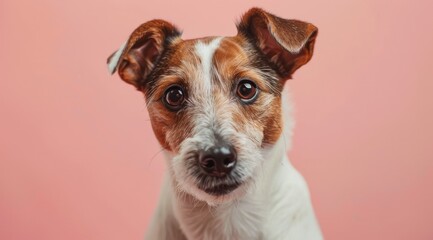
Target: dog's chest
240, 220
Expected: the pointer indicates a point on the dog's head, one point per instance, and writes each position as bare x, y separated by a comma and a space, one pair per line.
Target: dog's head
215, 102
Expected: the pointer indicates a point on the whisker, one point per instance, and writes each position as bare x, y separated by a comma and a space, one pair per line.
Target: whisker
156, 154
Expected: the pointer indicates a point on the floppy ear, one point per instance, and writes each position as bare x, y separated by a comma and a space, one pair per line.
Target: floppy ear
286, 44
137, 57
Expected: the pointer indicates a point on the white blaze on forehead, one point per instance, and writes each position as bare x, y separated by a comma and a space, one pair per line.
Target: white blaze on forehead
202, 91
205, 52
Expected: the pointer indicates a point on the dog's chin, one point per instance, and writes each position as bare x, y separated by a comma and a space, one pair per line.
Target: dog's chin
222, 193
219, 194
221, 190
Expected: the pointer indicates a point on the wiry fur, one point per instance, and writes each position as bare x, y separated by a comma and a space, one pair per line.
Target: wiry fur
273, 201
263, 197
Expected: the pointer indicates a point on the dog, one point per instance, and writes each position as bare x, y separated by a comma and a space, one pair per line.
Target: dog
218, 109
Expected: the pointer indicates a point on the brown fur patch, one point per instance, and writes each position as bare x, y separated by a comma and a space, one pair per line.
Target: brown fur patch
171, 128
234, 61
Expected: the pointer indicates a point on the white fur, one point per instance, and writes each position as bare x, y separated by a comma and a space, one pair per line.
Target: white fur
205, 53
114, 60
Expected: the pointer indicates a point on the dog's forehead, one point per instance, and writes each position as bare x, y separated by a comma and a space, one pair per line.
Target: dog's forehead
211, 46
209, 55
204, 63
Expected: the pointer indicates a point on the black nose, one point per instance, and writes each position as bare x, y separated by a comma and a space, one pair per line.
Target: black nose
218, 160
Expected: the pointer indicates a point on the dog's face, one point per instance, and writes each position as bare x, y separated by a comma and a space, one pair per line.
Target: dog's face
215, 102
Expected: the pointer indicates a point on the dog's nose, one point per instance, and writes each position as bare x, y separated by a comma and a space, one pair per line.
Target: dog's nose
218, 161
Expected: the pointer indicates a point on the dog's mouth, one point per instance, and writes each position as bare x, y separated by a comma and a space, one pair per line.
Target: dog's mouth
221, 189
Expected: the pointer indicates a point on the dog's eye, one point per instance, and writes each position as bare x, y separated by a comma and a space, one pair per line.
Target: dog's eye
247, 91
174, 97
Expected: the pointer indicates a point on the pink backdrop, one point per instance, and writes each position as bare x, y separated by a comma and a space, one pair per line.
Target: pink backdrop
78, 159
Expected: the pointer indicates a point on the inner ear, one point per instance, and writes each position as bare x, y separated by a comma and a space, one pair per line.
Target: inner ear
274, 52
286, 62
146, 51
139, 61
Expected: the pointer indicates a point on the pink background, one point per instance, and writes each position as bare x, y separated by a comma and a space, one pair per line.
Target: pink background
78, 159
